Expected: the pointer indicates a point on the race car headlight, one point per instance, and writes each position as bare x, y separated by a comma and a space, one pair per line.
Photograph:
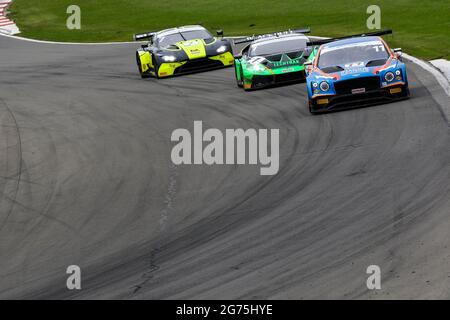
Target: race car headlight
258, 68
398, 72
324, 86
221, 49
389, 76
169, 58
315, 84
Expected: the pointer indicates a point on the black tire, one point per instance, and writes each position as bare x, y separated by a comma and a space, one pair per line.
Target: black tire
240, 84
311, 110
144, 75
155, 66
408, 93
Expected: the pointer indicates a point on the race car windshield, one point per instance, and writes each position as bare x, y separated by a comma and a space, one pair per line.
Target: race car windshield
168, 40
362, 54
196, 34
277, 46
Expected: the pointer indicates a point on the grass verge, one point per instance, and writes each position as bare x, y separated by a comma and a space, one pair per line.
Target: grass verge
421, 28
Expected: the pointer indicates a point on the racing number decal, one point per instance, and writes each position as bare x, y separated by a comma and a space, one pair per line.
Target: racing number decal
379, 48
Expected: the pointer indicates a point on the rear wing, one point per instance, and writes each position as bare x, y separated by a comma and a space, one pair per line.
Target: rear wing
275, 34
370, 34
143, 36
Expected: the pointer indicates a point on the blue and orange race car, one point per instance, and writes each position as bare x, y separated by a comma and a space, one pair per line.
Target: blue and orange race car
354, 71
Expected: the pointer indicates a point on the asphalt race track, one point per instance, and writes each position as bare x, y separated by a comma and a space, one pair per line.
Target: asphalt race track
86, 178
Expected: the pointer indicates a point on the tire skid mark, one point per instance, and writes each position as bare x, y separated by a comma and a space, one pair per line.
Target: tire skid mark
19, 164
164, 217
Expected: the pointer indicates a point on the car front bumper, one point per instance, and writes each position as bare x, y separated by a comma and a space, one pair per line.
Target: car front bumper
324, 103
262, 81
168, 69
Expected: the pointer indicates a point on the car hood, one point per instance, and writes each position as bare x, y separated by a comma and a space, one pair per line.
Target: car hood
194, 49
356, 69
282, 60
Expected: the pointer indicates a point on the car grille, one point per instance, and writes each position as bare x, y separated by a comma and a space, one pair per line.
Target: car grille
262, 81
291, 76
364, 99
346, 86
198, 64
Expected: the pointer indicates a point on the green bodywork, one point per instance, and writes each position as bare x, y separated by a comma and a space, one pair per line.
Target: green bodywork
247, 68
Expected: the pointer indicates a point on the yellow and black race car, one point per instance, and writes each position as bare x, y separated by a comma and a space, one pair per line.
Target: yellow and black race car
182, 50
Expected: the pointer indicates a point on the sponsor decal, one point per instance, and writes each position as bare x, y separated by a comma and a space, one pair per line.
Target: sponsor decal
352, 70
285, 63
360, 64
287, 70
359, 90
352, 45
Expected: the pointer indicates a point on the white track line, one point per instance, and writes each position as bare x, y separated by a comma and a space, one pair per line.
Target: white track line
72, 43
69, 43
6, 26
433, 70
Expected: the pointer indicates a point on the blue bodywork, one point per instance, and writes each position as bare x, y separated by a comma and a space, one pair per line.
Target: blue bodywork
357, 70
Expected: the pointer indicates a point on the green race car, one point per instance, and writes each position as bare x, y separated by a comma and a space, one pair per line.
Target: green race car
273, 59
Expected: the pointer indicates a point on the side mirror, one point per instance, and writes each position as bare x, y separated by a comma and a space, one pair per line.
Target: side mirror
308, 66
398, 52
307, 52
220, 33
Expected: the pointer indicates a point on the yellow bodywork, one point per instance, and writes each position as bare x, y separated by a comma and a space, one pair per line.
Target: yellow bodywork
194, 49
168, 69
226, 58
146, 60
